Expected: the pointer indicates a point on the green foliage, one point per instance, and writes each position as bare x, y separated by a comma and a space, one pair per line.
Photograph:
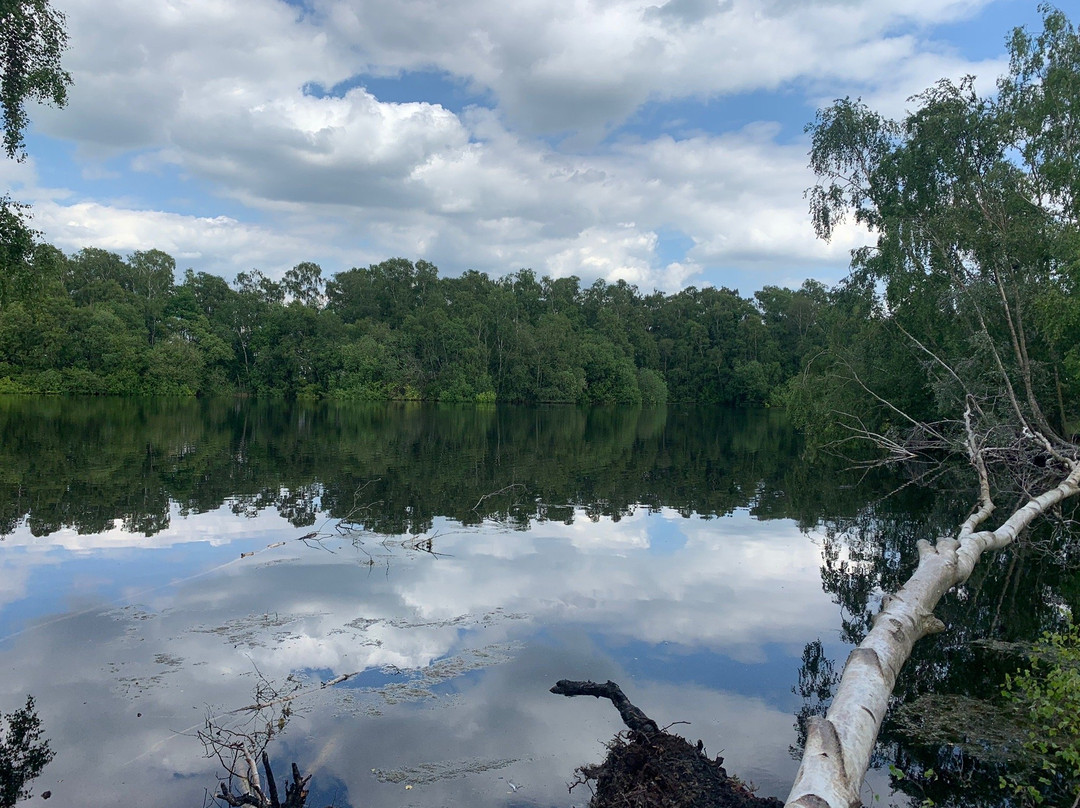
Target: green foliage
653, 389
174, 367
16, 248
99, 323
9, 385
304, 284
971, 279
23, 753
1048, 693
33, 40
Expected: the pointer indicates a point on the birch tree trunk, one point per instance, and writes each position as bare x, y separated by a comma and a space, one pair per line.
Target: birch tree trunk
970, 201
838, 745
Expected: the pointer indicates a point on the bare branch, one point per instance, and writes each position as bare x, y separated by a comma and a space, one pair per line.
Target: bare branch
496, 493
931, 354
916, 423
631, 715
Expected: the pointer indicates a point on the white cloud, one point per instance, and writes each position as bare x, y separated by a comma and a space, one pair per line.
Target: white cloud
217, 92
893, 97
14, 576
576, 64
214, 244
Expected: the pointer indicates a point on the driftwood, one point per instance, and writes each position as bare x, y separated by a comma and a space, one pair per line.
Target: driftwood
634, 719
240, 746
296, 792
647, 767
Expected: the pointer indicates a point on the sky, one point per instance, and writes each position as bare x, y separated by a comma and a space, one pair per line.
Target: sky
659, 142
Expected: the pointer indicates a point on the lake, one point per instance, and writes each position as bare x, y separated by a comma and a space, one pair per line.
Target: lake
161, 561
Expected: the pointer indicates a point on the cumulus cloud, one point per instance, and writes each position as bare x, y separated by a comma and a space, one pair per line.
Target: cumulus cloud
569, 65
219, 244
264, 103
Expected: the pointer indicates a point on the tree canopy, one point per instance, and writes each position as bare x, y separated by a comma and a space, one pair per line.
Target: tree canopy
969, 281
99, 323
32, 40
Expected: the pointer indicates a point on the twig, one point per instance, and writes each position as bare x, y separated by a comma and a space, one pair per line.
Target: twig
262, 705
496, 493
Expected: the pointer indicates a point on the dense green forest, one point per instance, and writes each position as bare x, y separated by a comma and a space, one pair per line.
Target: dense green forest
97, 323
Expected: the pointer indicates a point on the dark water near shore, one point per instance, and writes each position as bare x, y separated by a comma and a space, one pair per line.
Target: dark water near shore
159, 558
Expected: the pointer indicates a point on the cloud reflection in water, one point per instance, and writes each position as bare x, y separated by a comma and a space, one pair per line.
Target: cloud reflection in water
698, 619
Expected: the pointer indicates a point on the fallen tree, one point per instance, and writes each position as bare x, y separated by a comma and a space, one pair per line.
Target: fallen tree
974, 205
839, 745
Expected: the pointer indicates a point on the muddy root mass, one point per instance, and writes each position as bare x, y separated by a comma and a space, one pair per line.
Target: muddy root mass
664, 771
647, 767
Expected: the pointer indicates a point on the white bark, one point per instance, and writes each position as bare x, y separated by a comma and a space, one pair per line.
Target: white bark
838, 746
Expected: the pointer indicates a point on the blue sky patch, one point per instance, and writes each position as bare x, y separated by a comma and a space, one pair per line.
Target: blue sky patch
411, 86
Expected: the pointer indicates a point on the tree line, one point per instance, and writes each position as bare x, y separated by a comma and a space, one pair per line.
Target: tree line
98, 323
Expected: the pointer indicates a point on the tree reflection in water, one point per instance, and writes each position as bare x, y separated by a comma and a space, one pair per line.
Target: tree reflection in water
395, 469
23, 753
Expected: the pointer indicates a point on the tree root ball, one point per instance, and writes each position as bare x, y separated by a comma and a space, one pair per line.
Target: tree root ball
660, 770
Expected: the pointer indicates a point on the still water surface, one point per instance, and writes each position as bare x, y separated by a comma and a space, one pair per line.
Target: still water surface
158, 558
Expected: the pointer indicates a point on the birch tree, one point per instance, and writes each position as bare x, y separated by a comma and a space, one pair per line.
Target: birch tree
972, 203
32, 40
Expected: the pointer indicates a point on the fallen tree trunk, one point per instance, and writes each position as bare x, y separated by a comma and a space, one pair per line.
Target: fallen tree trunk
839, 745
651, 766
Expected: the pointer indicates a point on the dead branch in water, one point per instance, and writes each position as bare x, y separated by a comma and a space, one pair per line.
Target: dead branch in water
240, 746
633, 717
